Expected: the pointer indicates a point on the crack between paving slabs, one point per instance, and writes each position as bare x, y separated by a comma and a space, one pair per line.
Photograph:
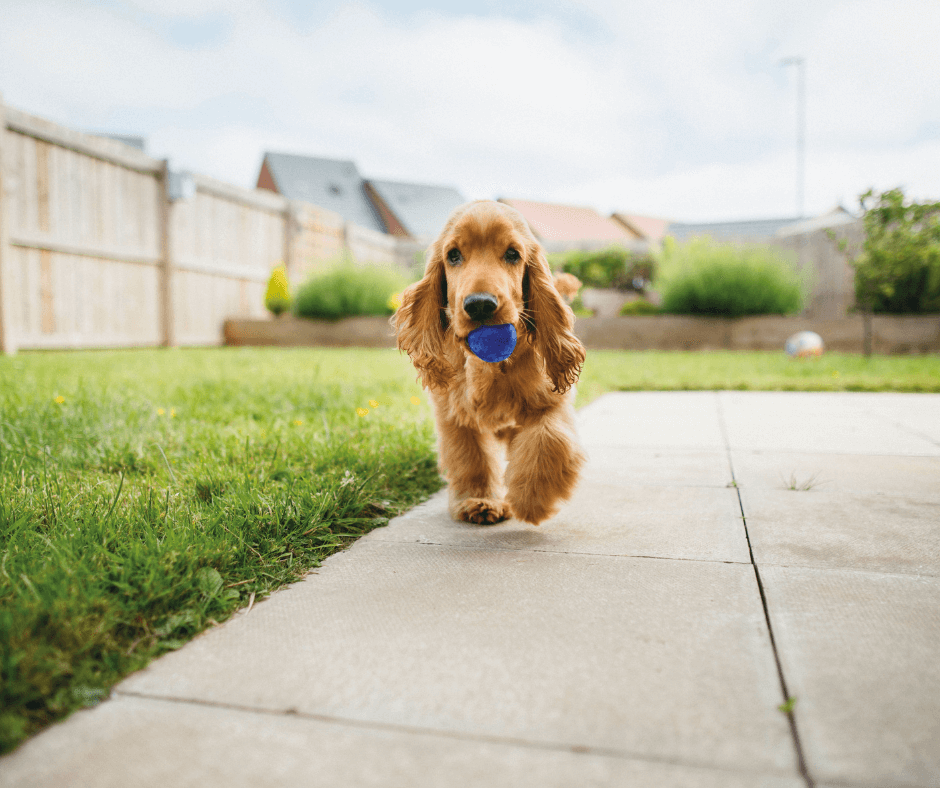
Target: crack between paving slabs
576, 749
801, 761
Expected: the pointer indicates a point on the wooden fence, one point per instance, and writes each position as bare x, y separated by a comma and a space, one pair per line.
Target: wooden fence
95, 253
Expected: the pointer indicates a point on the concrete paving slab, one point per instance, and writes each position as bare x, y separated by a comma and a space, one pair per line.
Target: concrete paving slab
686, 419
879, 533
846, 474
696, 523
657, 467
819, 422
651, 659
134, 742
917, 413
859, 651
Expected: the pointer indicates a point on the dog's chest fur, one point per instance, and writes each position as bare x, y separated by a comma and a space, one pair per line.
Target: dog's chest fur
490, 397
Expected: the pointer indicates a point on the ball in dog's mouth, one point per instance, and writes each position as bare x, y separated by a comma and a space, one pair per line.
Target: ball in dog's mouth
493, 343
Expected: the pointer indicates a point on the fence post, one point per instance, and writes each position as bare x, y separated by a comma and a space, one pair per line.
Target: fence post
7, 342
291, 232
165, 218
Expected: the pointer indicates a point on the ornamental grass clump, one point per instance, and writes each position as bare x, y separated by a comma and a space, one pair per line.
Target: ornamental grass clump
701, 277
348, 291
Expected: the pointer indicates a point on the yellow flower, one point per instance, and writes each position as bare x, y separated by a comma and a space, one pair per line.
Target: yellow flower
835, 373
415, 401
172, 413
394, 301
362, 411
60, 399
373, 403
160, 411
299, 422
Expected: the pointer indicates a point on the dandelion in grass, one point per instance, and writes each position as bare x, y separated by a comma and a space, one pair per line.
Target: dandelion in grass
299, 422
373, 403
172, 413
362, 411
394, 301
160, 411
59, 400
415, 401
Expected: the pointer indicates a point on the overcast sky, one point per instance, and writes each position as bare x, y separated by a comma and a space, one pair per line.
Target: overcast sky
673, 108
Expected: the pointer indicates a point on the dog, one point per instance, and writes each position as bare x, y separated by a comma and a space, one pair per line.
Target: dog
487, 268
567, 286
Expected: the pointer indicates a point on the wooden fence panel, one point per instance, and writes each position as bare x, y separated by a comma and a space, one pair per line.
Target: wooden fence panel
94, 254
82, 247
224, 243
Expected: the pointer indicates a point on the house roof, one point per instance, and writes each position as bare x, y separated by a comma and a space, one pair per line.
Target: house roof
334, 184
836, 217
744, 231
422, 210
553, 222
648, 228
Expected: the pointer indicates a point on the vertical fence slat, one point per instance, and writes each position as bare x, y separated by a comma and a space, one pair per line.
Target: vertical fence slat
7, 340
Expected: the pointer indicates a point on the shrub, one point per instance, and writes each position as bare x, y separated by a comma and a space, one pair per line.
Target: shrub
705, 278
639, 307
277, 296
613, 267
899, 268
349, 290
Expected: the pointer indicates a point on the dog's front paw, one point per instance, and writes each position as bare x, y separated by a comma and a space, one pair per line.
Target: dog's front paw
482, 511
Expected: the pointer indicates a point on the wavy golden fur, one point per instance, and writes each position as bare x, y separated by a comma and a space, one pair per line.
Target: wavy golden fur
524, 403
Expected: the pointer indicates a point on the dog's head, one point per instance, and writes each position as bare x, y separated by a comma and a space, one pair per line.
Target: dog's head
486, 268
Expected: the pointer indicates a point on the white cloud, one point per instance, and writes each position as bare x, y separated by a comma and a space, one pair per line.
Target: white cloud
677, 108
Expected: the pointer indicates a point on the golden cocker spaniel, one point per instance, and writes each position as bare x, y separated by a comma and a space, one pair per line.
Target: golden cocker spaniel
486, 268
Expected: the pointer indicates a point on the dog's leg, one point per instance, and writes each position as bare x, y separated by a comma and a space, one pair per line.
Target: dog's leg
545, 460
470, 461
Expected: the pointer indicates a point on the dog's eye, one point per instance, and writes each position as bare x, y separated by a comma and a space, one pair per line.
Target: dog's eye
454, 256
511, 256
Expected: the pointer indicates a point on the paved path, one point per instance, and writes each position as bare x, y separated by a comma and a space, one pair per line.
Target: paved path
643, 637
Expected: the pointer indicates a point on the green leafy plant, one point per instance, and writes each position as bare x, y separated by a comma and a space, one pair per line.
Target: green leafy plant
614, 268
348, 291
701, 277
277, 296
639, 307
898, 270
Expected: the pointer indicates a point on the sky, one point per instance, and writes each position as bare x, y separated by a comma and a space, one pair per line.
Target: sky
673, 108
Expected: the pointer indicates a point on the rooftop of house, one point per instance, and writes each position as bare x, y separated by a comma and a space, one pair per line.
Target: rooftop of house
649, 228
334, 184
554, 222
742, 231
834, 218
421, 210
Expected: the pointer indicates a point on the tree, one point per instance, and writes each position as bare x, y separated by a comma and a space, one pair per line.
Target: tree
898, 270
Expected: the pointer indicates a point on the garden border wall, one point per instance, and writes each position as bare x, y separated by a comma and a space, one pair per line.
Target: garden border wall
891, 334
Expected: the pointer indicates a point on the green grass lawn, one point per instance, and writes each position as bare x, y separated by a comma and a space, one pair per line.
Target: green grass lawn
146, 495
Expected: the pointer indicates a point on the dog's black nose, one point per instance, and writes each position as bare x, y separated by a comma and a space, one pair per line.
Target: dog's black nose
480, 306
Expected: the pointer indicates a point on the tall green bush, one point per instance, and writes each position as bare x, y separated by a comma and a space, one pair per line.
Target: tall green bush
613, 267
348, 291
701, 277
898, 270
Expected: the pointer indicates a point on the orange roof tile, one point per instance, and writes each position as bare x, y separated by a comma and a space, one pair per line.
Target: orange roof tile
552, 222
647, 227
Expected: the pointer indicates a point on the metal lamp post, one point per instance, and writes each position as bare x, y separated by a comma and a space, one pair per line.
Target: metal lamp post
800, 64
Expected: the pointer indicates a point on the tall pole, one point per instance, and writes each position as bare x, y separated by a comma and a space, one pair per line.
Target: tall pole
800, 64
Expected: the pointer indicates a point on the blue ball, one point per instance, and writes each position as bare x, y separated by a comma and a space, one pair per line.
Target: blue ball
493, 343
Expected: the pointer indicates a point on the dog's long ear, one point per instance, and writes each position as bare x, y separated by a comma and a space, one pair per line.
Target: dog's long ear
552, 321
421, 322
